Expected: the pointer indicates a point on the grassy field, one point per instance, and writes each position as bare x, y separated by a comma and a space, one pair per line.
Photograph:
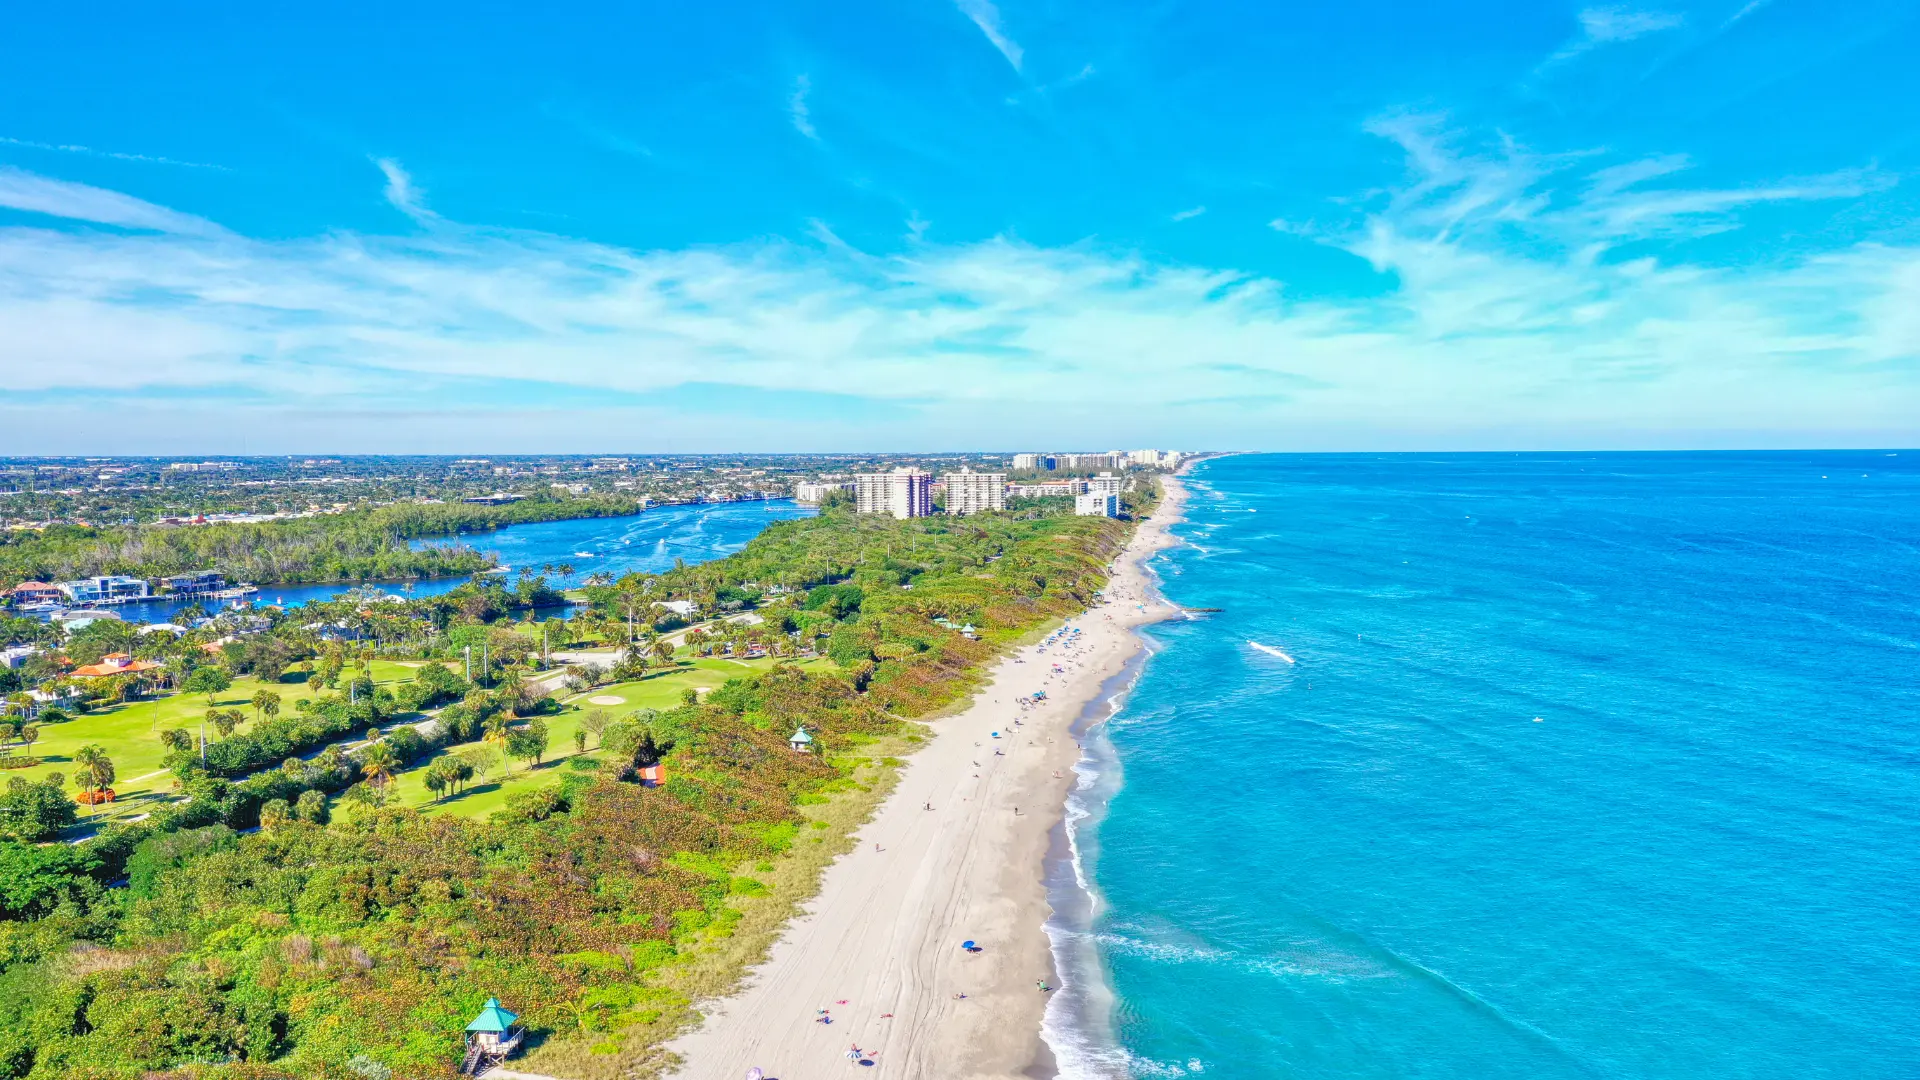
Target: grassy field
130, 734
485, 795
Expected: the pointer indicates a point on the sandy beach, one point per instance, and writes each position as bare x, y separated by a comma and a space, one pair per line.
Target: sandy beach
956, 853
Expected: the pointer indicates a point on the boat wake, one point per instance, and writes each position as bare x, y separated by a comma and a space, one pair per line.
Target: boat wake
1271, 651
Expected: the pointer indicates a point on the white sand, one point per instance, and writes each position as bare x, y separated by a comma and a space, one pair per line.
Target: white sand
884, 934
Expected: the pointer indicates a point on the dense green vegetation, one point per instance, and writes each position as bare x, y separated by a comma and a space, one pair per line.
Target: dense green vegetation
348, 928
367, 545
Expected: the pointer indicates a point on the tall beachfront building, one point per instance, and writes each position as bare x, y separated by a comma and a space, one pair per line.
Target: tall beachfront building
1106, 484
1026, 461
904, 493
1097, 504
969, 492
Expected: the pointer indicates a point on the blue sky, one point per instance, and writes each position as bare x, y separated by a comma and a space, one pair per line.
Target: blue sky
930, 224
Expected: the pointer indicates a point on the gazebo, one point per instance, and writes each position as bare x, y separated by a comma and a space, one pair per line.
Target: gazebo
492, 1036
801, 741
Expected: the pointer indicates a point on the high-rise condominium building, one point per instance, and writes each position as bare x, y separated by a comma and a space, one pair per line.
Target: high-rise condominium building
1106, 484
1026, 461
813, 492
1096, 504
904, 493
969, 492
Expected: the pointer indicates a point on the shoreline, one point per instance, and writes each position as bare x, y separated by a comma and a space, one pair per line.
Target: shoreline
877, 948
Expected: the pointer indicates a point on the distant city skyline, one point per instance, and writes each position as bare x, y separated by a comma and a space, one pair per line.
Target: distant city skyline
954, 224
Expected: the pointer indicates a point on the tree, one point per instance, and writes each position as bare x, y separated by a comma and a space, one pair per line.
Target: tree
36, 880
529, 743
208, 680
96, 768
267, 702
311, 807
663, 650
29, 734
224, 720
35, 811
579, 741
176, 739
437, 780
595, 724
275, 813
377, 762
689, 696
480, 760
497, 728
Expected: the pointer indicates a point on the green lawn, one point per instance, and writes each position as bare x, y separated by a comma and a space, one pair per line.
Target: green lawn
130, 734
484, 796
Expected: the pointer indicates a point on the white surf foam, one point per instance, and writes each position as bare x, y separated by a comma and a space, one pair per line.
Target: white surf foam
1271, 651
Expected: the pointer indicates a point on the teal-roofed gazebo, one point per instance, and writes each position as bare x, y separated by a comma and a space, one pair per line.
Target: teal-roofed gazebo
493, 1035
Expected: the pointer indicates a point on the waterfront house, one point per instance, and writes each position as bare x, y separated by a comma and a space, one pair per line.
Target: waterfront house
76, 620
35, 592
196, 584
104, 589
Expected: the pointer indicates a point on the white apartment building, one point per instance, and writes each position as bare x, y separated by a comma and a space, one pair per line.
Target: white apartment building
904, 493
969, 492
1026, 461
1106, 484
1046, 489
813, 492
1097, 504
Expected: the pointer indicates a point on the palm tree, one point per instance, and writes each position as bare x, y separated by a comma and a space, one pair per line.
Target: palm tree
663, 649
496, 728
377, 763
265, 701
96, 769
29, 734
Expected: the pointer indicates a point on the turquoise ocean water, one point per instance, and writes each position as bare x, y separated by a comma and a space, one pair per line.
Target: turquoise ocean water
1325, 836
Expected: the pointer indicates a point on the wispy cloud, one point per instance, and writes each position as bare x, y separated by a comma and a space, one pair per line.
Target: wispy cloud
1184, 215
22, 190
987, 17
71, 148
797, 108
1511, 313
403, 193
1747, 9
1611, 26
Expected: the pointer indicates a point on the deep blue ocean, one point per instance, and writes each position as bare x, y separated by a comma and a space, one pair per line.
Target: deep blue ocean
1533, 766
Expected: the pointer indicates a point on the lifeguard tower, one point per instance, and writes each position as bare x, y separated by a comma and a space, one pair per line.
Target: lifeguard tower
492, 1036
